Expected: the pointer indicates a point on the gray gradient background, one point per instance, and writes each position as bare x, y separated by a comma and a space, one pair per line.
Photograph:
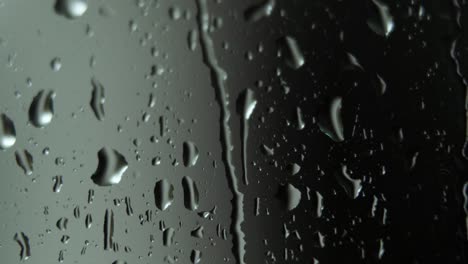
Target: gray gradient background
32, 35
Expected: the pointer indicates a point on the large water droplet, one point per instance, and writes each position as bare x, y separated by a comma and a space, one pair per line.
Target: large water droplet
190, 154
330, 120
290, 195
163, 194
7, 132
71, 8
191, 195
195, 256
41, 110
380, 20
111, 167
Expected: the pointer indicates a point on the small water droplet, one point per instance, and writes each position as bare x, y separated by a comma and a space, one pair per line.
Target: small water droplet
290, 195
97, 99
294, 57
24, 160
56, 64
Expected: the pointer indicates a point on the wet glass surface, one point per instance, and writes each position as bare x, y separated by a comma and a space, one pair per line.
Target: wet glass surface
222, 131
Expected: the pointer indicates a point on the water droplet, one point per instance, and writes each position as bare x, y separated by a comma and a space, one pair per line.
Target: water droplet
246, 103
195, 256
62, 224
293, 168
24, 160
163, 194
197, 232
23, 242
330, 120
119, 262
56, 64
7, 132
290, 195
71, 8
300, 124
260, 10
58, 183
97, 99
294, 57
111, 166
191, 195
41, 110
380, 20
168, 236
351, 186
193, 39
109, 227
190, 154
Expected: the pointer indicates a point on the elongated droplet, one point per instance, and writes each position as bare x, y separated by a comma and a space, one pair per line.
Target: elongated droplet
58, 183
260, 10
300, 124
7, 132
195, 256
71, 8
97, 99
88, 221
111, 166
351, 186
294, 57
62, 224
190, 154
109, 229
24, 160
163, 194
380, 20
246, 103
23, 242
193, 39
168, 236
191, 195
319, 204
41, 110
330, 120
290, 195
119, 262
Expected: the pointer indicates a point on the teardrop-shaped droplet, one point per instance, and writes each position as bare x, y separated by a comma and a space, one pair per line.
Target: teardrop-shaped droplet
190, 154
7, 132
163, 194
191, 195
351, 186
97, 99
111, 167
24, 160
300, 123
71, 8
260, 10
380, 20
330, 121
294, 57
246, 104
41, 110
290, 195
